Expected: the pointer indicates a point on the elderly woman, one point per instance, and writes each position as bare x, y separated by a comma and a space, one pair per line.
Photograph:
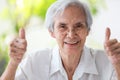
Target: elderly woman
69, 22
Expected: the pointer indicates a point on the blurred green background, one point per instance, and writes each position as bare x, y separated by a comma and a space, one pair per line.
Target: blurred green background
19, 13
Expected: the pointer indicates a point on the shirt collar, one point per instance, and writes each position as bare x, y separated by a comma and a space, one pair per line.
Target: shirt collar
56, 63
86, 64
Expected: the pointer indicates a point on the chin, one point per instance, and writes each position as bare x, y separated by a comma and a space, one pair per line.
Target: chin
72, 51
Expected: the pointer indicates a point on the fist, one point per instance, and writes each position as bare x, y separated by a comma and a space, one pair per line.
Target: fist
112, 47
18, 47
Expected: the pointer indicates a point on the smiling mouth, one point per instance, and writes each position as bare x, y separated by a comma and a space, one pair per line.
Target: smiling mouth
72, 43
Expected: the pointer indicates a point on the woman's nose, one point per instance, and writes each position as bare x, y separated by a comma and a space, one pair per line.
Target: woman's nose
71, 33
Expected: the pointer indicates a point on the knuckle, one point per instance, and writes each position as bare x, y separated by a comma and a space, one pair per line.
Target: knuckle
119, 43
25, 42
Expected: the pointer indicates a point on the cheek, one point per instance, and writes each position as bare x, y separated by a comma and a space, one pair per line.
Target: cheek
60, 38
60, 34
83, 35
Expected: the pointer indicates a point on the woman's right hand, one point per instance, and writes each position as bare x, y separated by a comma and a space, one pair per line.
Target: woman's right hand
18, 48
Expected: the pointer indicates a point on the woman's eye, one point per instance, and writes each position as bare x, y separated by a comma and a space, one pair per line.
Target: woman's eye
62, 26
80, 25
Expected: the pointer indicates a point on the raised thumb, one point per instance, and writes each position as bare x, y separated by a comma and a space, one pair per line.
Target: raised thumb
22, 33
107, 34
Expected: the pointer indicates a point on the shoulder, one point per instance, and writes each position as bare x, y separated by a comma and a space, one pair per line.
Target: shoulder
42, 53
40, 56
37, 59
100, 56
36, 64
97, 54
103, 64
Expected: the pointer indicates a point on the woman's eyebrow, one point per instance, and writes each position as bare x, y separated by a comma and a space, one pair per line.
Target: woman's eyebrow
79, 23
62, 23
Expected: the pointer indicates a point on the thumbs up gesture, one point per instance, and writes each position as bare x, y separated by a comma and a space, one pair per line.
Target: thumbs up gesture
112, 47
18, 47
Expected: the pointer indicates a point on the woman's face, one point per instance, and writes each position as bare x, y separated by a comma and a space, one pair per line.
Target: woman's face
70, 30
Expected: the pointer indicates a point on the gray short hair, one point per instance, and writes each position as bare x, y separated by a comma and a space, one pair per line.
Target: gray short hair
59, 6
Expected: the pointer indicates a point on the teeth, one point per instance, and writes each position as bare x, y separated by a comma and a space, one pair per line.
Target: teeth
71, 42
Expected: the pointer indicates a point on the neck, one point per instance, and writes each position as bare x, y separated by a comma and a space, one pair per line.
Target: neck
70, 62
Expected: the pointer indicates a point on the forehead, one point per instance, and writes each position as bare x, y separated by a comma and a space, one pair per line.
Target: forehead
71, 14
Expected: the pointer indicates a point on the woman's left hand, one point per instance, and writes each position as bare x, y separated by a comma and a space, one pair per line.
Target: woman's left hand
112, 47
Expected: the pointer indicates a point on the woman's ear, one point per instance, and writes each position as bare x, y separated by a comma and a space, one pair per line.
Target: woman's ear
88, 31
51, 33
